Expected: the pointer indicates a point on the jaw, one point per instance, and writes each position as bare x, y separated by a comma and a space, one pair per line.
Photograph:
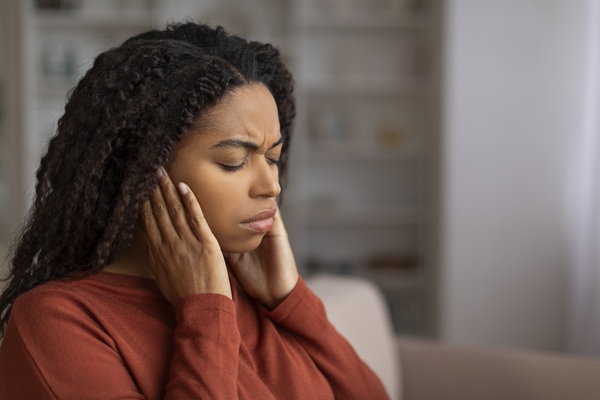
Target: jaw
248, 242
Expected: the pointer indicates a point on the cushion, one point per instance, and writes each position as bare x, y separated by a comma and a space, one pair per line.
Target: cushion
357, 309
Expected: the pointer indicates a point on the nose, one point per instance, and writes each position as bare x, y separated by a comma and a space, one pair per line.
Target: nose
266, 180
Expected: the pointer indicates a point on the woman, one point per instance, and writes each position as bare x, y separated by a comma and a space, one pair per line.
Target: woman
155, 263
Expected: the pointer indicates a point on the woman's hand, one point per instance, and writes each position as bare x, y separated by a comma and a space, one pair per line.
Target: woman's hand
268, 273
183, 253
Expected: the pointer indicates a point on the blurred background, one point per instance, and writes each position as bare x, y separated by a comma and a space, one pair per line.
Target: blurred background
446, 150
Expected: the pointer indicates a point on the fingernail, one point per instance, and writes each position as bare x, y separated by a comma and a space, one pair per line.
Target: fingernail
183, 188
159, 172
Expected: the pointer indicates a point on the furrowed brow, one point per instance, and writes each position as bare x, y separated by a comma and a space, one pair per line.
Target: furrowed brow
277, 143
242, 144
236, 144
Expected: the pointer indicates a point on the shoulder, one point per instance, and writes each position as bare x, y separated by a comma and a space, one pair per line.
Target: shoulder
53, 305
50, 295
57, 320
55, 338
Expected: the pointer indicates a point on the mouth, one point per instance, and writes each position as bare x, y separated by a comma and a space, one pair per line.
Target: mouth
261, 222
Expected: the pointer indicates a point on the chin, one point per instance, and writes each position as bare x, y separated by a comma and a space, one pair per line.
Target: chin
241, 246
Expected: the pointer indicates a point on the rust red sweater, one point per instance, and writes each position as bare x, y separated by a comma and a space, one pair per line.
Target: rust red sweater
113, 336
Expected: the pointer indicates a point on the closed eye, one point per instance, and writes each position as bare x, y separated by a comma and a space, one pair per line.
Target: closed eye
234, 167
274, 161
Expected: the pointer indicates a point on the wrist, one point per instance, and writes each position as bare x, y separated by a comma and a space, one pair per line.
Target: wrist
275, 299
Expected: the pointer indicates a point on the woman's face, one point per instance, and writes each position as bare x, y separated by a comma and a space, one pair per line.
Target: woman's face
230, 163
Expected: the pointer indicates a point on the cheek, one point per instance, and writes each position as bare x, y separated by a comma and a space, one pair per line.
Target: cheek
223, 198
197, 175
219, 196
214, 189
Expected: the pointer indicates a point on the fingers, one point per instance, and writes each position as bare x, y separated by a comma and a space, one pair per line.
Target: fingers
174, 212
179, 240
167, 208
195, 217
163, 214
278, 226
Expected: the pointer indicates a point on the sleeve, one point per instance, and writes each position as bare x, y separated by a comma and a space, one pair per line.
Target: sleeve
206, 332
303, 314
53, 349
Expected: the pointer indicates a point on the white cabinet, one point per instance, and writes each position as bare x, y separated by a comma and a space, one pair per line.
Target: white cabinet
367, 101
62, 40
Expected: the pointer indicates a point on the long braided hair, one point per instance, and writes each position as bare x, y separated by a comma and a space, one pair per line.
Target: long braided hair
125, 118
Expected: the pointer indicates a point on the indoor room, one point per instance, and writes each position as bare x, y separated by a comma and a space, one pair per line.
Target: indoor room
442, 187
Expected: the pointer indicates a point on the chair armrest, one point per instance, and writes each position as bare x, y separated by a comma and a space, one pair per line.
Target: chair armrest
436, 371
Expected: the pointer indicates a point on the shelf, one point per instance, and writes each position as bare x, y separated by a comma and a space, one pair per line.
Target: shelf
373, 21
388, 278
331, 214
361, 86
76, 19
340, 152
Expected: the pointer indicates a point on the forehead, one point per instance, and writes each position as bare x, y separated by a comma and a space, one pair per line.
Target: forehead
249, 112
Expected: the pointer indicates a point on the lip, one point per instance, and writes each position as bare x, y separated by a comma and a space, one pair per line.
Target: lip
261, 222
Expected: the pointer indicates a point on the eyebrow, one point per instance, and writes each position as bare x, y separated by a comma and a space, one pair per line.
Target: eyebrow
242, 144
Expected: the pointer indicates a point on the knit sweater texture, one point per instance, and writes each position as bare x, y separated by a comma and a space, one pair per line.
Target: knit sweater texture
114, 336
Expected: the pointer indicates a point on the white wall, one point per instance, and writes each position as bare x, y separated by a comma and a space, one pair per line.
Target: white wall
512, 96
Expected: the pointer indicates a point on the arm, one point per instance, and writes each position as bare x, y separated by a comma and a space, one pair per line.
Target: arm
303, 313
187, 263
54, 348
269, 274
206, 350
64, 352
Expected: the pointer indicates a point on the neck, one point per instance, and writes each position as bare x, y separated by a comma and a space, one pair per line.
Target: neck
134, 261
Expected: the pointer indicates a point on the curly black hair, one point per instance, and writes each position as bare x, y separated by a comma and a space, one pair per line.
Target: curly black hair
125, 118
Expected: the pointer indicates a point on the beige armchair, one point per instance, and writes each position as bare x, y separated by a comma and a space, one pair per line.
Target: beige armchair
417, 369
